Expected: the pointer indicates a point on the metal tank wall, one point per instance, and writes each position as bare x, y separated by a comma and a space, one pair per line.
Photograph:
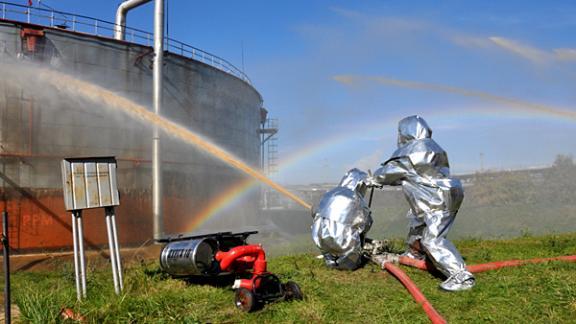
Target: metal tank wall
39, 126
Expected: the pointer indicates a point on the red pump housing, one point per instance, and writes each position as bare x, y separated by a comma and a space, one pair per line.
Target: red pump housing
242, 258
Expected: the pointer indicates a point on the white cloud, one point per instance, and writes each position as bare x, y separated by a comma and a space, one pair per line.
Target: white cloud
528, 52
565, 54
470, 41
396, 29
382, 24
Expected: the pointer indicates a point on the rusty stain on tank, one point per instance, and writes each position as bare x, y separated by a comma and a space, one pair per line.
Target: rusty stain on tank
40, 221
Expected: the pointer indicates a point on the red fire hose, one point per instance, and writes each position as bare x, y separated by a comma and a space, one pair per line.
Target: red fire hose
475, 268
513, 263
420, 264
433, 315
423, 265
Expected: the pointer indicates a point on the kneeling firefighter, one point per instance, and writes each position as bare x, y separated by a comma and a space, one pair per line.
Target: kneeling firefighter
341, 222
421, 167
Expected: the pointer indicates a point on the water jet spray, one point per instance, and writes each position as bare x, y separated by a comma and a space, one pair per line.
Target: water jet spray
107, 98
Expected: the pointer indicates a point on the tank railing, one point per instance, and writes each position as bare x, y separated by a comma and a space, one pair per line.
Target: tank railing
102, 28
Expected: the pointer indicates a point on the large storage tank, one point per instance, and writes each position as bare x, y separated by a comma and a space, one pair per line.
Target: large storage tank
39, 126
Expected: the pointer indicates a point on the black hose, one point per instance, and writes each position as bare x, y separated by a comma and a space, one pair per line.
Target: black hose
371, 195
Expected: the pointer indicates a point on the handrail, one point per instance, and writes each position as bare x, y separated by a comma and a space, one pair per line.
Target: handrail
102, 28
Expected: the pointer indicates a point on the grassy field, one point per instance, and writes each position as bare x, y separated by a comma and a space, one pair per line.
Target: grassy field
532, 293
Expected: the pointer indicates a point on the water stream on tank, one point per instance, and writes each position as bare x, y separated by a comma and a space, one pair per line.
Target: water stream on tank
105, 97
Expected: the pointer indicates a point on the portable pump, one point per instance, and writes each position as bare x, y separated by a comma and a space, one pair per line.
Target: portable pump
227, 253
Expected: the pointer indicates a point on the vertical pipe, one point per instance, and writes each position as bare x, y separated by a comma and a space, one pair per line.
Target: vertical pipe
157, 98
6, 257
76, 259
264, 197
262, 150
112, 251
120, 25
82, 258
116, 248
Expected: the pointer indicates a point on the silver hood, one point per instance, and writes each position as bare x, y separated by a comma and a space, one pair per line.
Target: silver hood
412, 128
355, 180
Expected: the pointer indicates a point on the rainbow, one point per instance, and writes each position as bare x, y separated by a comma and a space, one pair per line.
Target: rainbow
389, 126
514, 109
227, 198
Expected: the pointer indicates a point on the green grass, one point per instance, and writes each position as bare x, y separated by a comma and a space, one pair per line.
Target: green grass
531, 293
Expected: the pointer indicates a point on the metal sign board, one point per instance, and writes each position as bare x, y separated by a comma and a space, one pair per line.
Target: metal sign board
89, 183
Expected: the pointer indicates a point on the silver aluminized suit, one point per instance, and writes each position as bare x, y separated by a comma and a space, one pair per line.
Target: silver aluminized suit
421, 167
341, 221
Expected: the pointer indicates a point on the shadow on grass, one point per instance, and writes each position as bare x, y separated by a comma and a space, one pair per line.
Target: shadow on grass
222, 281
219, 281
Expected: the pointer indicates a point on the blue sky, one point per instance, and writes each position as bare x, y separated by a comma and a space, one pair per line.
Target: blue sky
525, 50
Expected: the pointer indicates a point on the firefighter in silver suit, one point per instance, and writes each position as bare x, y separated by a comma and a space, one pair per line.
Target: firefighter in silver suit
341, 221
421, 167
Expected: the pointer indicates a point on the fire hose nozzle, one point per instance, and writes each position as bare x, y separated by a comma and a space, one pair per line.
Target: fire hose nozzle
383, 258
375, 247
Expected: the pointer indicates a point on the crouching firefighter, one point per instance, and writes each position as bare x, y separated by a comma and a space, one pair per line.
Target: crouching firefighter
341, 221
421, 167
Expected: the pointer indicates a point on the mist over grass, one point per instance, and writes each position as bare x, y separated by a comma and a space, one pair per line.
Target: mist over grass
499, 204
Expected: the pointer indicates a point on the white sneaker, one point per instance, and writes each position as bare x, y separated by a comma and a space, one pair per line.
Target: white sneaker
462, 280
